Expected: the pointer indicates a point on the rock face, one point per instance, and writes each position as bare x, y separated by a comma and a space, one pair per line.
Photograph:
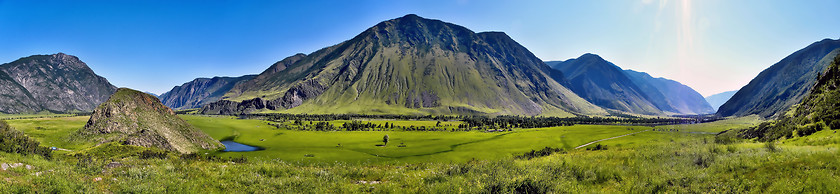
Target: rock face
136, 118
56, 83
14, 98
201, 91
669, 95
413, 65
784, 84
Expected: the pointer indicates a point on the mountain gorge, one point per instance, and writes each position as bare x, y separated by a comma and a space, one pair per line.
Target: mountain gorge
783, 84
411, 65
55, 83
201, 91
607, 85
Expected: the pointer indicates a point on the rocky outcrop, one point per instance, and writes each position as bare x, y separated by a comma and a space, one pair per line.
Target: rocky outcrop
201, 91
136, 118
56, 83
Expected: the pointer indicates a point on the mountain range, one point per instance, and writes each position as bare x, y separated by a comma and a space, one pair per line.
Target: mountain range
607, 85
414, 65
783, 84
411, 65
55, 83
201, 91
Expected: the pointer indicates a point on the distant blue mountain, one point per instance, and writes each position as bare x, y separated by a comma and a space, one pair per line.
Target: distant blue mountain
718, 99
607, 85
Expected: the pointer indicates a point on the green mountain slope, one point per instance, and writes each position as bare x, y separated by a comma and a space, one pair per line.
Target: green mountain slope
412, 65
605, 84
669, 95
819, 110
135, 118
58, 83
784, 84
201, 91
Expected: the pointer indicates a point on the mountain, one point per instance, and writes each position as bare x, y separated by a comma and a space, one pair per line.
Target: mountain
14, 98
784, 84
819, 110
153, 94
605, 84
135, 118
669, 95
411, 65
718, 99
201, 91
56, 83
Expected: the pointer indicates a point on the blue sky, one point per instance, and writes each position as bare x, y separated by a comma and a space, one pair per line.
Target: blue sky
710, 45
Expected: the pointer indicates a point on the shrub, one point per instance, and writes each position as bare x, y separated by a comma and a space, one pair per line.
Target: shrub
14, 141
540, 153
771, 146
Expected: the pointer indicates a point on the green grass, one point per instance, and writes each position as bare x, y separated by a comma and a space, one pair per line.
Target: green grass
53, 132
420, 146
648, 162
718, 126
31, 116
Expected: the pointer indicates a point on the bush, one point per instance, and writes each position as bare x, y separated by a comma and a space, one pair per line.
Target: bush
771, 146
598, 147
540, 153
14, 141
148, 154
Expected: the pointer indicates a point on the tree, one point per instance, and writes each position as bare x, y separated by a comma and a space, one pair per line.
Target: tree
385, 140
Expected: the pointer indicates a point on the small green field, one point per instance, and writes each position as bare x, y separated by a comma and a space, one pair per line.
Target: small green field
54, 131
32, 116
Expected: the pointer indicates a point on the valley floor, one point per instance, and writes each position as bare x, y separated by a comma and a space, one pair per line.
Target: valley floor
679, 158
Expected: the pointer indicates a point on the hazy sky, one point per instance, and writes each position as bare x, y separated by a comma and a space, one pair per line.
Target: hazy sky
710, 45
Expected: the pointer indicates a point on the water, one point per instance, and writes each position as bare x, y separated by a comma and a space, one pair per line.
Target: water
232, 146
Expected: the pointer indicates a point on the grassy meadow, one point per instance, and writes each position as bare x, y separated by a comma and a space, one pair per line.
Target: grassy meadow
419, 146
677, 158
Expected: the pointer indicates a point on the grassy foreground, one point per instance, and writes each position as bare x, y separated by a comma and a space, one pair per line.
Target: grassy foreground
653, 161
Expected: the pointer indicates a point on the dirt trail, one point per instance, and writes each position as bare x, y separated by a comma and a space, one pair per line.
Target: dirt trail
596, 141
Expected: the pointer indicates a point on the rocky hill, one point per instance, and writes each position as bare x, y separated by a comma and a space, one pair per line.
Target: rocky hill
783, 84
135, 118
412, 65
56, 83
201, 91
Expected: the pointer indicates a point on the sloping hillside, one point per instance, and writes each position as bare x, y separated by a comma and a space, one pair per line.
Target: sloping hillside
784, 84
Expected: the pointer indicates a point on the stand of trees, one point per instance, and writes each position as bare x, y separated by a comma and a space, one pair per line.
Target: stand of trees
484, 123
